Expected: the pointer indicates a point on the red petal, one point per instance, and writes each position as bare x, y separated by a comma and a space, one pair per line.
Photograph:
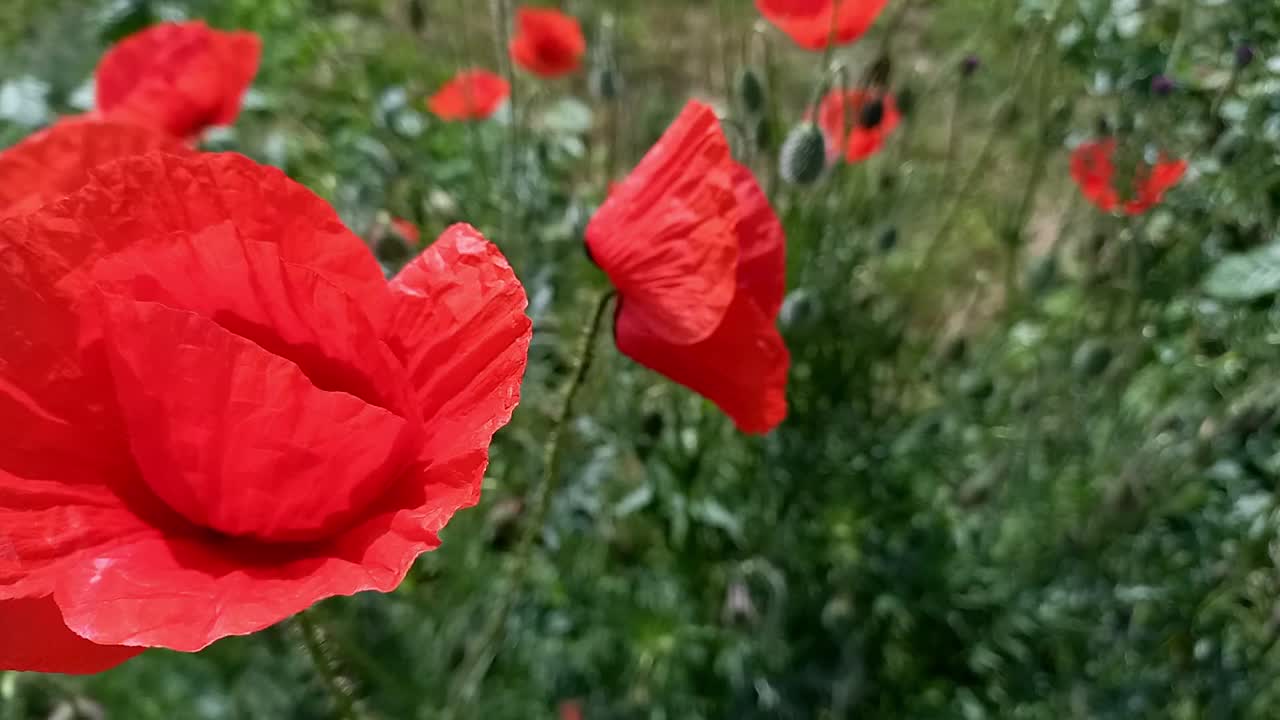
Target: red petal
56, 161
36, 639
762, 262
178, 77
742, 367
470, 95
809, 22
184, 594
159, 195
239, 440
1151, 189
548, 42
666, 237
844, 133
459, 326
1092, 170
407, 230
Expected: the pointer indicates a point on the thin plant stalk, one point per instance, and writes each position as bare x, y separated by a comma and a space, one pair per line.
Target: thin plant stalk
327, 667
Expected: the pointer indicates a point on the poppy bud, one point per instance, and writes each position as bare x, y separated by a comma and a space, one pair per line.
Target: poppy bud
764, 133
1043, 274
872, 114
969, 66
751, 91
888, 239
906, 100
1091, 359
1244, 56
804, 154
417, 15
1162, 86
976, 385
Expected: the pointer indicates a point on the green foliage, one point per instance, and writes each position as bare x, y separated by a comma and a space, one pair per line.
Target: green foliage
1030, 461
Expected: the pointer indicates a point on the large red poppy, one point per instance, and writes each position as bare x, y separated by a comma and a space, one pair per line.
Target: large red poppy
1094, 171
547, 42
470, 95
219, 412
178, 77
697, 256
812, 24
857, 123
56, 161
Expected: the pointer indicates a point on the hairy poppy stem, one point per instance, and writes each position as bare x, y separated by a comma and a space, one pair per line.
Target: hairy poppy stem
481, 654
327, 666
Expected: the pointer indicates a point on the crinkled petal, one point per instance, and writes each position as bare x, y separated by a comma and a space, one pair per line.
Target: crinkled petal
177, 77
34, 637
667, 235
460, 328
239, 440
762, 261
742, 367
157, 195
1152, 187
56, 161
185, 593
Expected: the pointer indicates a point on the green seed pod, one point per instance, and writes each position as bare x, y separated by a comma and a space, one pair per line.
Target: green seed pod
764, 133
1042, 274
804, 154
888, 239
751, 91
1091, 359
975, 385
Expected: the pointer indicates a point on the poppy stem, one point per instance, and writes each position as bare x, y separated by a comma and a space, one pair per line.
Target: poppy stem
480, 655
327, 666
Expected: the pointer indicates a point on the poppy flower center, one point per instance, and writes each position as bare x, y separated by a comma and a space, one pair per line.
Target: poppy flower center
258, 399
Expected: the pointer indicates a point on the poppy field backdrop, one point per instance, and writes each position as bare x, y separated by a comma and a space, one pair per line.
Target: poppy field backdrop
1032, 429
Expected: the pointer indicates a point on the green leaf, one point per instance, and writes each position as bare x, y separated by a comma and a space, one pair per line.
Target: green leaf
1246, 276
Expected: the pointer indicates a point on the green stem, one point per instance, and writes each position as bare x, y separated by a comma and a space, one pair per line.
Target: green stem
510, 205
326, 665
480, 654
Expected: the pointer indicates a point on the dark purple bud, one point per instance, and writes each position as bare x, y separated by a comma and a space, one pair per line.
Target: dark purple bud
970, 65
1244, 56
1162, 85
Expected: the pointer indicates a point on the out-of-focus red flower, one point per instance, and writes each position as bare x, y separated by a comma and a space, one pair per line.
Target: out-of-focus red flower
547, 42
697, 255
219, 412
56, 161
470, 95
1093, 169
177, 77
407, 230
856, 123
813, 24
570, 710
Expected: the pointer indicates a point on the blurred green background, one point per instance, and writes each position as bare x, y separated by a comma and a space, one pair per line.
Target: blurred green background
1031, 461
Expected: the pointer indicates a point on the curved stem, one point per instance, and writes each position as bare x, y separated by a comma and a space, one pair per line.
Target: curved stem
481, 653
327, 668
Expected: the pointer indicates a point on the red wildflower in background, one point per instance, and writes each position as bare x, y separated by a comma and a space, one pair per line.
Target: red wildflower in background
56, 161
177, 77
856, 123
407, 230
1093, 169
697, 256
469, 95
218, 412
810, 23
547, 42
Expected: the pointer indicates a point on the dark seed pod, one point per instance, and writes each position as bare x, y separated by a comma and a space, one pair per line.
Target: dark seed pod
804, 154
872, 114
969, 66
751, 91
418, 15
1162, 86
1244, 56
1091, 359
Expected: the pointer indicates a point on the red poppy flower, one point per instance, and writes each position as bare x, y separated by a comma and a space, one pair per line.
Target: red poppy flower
697, 256
858, 126
547, 42
178, 77
1093, 170
219, 412
811, 23
470, 95
406, 230
56, 161
570, 710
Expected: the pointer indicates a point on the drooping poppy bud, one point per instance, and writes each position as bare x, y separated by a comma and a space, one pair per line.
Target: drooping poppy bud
804, 155
750, 91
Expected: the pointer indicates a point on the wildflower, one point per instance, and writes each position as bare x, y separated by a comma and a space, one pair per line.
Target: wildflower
814, 24
220, 413
857, 123
1093, 170
470, 95
548, 42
